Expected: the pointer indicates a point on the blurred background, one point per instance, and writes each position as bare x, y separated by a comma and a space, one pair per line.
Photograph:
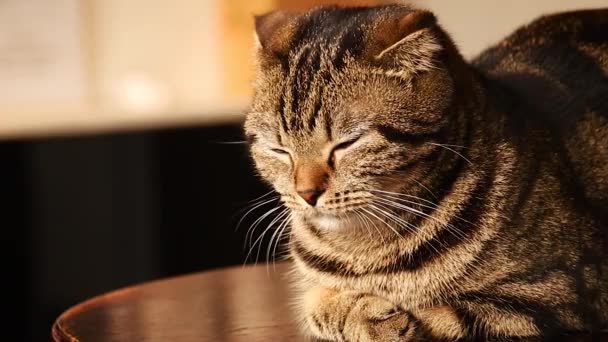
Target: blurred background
120, 123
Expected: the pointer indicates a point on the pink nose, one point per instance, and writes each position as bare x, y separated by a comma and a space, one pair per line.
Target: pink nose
311, 196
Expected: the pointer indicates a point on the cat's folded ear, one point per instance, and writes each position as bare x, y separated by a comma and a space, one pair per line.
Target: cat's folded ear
274, 33
404, 42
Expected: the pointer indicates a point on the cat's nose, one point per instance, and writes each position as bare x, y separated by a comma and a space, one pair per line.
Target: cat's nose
311, 195
310, 180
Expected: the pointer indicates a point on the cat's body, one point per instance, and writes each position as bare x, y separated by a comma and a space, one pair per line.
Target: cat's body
470, 201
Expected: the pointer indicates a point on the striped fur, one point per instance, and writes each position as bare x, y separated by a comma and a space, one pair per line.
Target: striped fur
459, 201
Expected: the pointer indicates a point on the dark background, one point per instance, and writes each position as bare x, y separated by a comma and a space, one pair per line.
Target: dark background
87, 214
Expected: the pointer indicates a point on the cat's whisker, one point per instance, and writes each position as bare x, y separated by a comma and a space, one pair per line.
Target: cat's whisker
413, 230
255, 206
256, 201
377, 218
387, 212
237, 142
457, 146
451, 149
362, 223
455, 231
276, 234
451, 228
446, 224
419, 213
263, 196
261, 237
272, 223
282, 227
403, 195
434, 207
257, 222
382, 212
408, 226
427, 189
370, 222
396, 177
270, 242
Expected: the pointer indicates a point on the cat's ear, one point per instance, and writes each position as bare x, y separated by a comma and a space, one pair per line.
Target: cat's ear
404, 42
274, 32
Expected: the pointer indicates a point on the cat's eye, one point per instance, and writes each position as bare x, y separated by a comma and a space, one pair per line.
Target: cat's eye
339, 149
279, 151
344, 145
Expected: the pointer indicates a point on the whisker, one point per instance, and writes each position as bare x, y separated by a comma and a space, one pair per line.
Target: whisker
377, 218
257, 222
394, 197
434, 207
387, 212
421, 213
403, 195
362, 223
451, 145
264, 195
278, 218
274, 235
259, 239
255, 206
452, 229
282, 228
416, 233
371, 222
386, 223
238, 142
450, 149
427, 189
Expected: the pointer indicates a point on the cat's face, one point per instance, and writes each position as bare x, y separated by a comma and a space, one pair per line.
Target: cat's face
341, 116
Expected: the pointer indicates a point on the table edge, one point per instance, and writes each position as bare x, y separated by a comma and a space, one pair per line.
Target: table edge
59, 334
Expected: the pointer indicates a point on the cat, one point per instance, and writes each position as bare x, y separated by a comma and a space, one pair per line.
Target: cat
432, 198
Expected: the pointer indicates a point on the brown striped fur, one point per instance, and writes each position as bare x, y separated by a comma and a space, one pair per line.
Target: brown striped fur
432, 198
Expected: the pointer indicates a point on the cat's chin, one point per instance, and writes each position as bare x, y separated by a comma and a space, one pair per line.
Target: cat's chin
331, 222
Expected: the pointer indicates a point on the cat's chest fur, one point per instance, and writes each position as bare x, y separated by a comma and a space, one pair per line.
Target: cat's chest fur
411, 289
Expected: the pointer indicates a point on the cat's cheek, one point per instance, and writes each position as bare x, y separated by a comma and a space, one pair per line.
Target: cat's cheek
271, 169
274, 174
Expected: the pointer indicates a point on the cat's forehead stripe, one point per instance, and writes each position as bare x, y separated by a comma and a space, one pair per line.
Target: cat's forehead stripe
310, 67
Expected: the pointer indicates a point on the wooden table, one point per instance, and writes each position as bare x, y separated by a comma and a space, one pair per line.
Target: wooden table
234, 304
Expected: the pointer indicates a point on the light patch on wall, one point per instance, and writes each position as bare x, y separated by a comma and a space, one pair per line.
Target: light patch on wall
140, 94
41, 57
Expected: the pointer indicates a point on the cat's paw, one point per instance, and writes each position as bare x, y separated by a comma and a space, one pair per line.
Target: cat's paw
376, 319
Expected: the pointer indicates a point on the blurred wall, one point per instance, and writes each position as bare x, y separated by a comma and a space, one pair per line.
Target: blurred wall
157, 55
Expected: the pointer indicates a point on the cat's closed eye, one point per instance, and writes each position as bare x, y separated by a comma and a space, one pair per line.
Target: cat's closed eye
280, 151
346, 144
338, 150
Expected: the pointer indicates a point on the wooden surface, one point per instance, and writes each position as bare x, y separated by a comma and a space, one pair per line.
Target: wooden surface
235, 304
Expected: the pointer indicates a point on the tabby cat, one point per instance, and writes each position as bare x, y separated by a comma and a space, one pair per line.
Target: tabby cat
431, 198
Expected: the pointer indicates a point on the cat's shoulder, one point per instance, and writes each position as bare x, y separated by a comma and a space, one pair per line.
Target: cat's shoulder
556, 69
585, 24
557, 64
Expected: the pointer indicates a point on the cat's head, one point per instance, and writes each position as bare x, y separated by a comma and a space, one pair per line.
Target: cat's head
348, 103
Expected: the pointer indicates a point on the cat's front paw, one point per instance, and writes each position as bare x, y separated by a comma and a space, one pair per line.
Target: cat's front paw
376, 319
